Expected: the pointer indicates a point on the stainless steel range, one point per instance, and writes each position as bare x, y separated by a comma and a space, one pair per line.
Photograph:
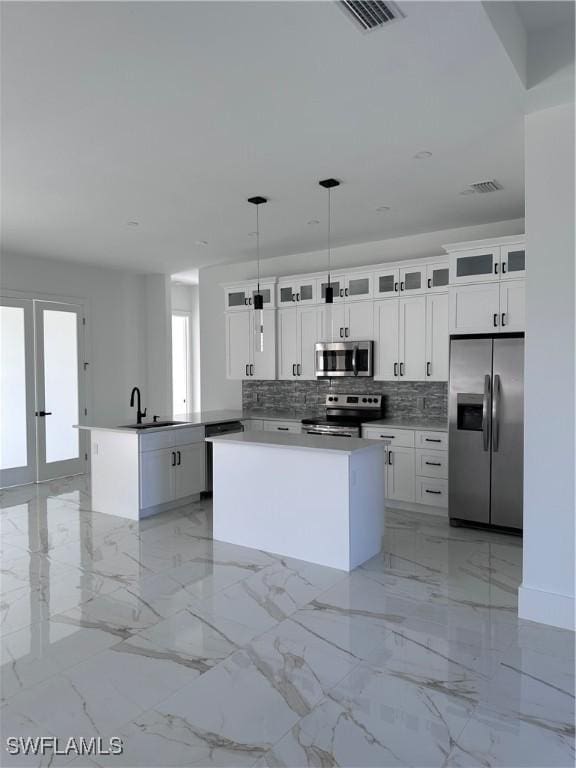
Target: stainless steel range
345, 415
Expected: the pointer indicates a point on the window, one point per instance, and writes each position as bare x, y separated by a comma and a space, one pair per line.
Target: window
181, 363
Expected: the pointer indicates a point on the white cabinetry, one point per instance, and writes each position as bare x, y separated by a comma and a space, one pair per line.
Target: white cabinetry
172, 466
240, 297
491, 260
400, 333
296, 290
354, 321
358, 286
414, 474
282, 426
437, 346
512, 261
487, 307
244, 359
413, 279
297, 335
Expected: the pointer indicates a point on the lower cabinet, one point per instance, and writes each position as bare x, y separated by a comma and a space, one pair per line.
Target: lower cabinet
172, 473
253, 425
414, 474
400, 473
282, 426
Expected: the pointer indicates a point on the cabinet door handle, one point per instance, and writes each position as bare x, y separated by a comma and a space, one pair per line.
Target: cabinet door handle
495, 319
179, 458
401, 369
433, 463
341, 333
346, 332
345, 291
247, 371
437, 493
252, 370
390, 458
428, 371
432, 440
293, 297
297, 297
341, 292
43, 413
395, 369
402, 285
173, 459
429, 282
293, 369
246, 302
503, 323
395, 287
503, 267
496, 268
299, 369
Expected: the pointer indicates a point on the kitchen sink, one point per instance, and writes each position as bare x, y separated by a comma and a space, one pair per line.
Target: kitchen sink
150, 425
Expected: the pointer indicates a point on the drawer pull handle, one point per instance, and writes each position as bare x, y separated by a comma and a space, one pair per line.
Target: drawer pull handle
438, 493
432, 440
433, 463
388, 437
283, 429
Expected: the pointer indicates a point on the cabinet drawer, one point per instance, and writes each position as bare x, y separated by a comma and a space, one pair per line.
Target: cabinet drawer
401, 438
432, 463
168, 438
282, 426
432, 441
432, 491
188, 435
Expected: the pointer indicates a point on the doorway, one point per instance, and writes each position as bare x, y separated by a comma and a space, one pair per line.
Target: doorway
42, 390
181, 363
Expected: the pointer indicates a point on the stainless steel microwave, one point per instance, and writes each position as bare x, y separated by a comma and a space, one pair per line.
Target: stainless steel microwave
344, 358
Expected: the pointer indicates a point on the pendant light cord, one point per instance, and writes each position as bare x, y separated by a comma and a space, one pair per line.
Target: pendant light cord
258, 244
329, 209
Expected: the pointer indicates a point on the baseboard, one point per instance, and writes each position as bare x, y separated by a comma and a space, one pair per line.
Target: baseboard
409, 506
546, 607
156, 510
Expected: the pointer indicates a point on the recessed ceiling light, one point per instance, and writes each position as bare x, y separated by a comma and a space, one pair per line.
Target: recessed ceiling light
423, 155
132, 223
383, 209
313, 222
202, 242
468, 192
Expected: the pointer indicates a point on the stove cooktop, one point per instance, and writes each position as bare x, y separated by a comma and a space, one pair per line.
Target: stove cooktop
348, 410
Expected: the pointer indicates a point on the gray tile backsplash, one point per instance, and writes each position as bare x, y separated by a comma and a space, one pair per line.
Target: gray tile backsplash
401, 399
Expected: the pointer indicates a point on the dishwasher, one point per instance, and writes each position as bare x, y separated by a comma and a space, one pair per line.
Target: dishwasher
212, 430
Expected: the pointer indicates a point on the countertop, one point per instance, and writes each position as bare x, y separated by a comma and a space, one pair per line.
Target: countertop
345, 445
197, 419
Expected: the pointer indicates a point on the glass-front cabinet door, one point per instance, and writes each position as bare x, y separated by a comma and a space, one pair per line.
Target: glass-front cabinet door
358, 286
236, 298
512, 261
413, 279
475, 266
296, 291
386, 283
337, 284
437, 276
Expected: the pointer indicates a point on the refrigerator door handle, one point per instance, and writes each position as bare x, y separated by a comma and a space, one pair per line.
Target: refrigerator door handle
496, 413
485, 414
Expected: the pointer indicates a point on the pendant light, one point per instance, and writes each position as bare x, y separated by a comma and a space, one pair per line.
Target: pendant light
258, 297
329, 184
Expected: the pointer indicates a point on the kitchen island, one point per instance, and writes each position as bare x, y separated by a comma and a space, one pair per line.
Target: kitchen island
315, 498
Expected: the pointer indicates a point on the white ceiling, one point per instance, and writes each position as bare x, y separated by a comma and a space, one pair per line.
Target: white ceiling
172, 114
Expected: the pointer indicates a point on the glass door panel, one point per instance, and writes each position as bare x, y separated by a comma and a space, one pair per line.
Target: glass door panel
17, 454
58, 395
180, 364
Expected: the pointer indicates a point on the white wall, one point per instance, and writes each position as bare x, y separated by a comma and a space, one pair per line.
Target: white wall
216, 390
547, 592
119, 320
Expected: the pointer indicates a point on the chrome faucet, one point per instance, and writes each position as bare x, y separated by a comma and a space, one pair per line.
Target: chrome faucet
139, 414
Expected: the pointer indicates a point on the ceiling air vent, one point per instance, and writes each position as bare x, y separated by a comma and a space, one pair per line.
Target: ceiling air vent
371, 14
486, 186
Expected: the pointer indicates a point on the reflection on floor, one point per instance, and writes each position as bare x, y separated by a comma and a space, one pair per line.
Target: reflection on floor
199, 653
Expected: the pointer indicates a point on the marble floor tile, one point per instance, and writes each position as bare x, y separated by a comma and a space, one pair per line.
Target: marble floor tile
201, 653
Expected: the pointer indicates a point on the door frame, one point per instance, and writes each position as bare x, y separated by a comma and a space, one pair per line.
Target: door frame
85, 400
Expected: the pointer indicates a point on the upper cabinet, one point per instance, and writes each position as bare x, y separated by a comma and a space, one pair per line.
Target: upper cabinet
241, 296
296, 290
358, 286
386, 282
437, 276
413, 279
338, 284
512, 261
489, 262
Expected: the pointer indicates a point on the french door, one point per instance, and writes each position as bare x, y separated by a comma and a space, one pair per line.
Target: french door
41, 390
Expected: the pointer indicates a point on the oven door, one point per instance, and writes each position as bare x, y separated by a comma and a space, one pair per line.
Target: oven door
344, 358
332, 432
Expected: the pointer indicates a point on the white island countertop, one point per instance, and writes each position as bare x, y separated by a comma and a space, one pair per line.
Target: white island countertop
343, 445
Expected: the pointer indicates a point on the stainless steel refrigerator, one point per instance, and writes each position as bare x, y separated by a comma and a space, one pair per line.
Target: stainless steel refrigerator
486, 424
